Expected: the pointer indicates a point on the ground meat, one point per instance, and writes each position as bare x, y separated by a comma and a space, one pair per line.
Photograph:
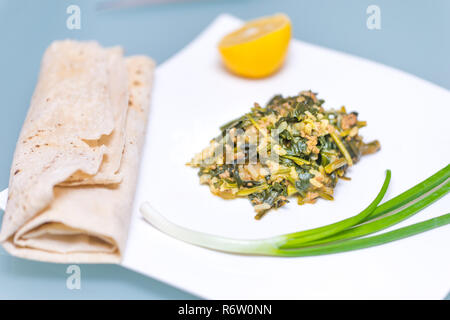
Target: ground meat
348, 121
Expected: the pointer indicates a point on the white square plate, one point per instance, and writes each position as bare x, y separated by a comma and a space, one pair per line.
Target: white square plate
194, 95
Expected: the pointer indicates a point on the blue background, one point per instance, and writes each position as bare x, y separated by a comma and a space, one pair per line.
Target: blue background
414, 37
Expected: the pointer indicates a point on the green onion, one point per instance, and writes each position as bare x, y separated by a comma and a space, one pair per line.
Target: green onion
338, 163
291, 189
341, 147
249, 117
203, 239
282, 171
342, 236
361, 124
246, 192
325, 196
297, 160
267, 247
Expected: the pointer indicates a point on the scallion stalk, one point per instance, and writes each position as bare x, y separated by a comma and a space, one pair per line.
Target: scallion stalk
205, 240
341, 147
268, 247
333, 238
297, 160
246, 192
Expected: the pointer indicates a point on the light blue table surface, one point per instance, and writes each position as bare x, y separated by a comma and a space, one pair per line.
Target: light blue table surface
414, 37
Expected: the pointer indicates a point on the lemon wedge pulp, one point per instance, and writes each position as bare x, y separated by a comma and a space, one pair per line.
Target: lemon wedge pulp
259, 48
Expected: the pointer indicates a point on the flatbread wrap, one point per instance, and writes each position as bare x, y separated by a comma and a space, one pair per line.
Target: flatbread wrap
76, 163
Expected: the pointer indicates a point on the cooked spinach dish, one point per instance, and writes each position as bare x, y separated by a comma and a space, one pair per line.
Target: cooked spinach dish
292, 147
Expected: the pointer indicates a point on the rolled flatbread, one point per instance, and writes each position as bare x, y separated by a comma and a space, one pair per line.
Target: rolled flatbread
76, 163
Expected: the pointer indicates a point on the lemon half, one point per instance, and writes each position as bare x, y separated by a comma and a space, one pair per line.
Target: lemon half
259, 48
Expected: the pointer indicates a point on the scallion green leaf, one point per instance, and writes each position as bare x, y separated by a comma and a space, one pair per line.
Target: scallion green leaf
362, 243
297, 238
